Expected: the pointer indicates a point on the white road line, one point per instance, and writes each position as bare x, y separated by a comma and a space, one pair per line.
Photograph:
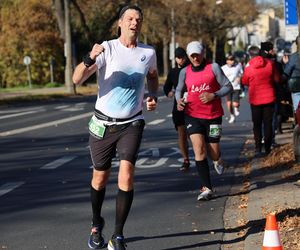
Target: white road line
19, 114
6, 188
57, 163
62, 107
44, 125
9, 111
155, 122
158, 163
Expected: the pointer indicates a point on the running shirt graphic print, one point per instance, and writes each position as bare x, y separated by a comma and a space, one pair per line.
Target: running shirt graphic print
121, 78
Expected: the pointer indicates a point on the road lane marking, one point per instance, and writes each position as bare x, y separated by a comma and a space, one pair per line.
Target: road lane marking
150, 151
6, 188
62, 107
57, 163
155, 122
20, 114
44, 125
9, 111
77, 107
159, 163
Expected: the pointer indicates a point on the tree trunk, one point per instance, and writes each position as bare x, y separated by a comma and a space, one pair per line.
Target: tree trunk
214, 55
165, 56
59, 13
68, 50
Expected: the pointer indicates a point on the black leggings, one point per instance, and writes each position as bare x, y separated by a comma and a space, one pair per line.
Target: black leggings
262, 116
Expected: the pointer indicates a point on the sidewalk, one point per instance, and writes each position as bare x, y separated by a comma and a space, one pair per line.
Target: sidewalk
262, 186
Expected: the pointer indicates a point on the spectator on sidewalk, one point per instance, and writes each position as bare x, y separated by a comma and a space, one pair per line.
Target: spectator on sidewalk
178, 116
260, 75
291, 74
282, 96
233, 71
206, 84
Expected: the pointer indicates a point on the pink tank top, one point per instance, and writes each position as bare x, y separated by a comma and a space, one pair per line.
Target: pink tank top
197, 83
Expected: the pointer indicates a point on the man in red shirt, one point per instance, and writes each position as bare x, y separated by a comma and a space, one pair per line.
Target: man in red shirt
260, 75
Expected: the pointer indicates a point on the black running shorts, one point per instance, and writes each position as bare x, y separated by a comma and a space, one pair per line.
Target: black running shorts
178, 118
234, 96
210, 128
126, 140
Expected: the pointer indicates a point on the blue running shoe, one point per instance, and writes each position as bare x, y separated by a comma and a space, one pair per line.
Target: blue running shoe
116, 243
96, 240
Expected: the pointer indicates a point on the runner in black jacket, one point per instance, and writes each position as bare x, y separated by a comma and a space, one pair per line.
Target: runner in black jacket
178, 116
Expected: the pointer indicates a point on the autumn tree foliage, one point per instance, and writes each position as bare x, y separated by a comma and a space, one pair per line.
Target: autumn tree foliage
36, 28
28, 28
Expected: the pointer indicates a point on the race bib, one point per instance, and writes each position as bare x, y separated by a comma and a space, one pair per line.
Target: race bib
215, 130
96, 128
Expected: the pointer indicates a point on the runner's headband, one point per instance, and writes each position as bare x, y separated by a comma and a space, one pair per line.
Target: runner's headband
130, 7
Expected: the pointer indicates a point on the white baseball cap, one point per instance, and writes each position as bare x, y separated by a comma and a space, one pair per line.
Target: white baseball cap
194, 47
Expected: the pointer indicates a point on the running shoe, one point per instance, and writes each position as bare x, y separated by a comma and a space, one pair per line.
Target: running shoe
205, 194
185, 166
231, 119
116, 243
218, 165
236, 111
96, 240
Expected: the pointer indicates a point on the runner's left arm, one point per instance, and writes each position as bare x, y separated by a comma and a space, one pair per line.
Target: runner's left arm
152, 83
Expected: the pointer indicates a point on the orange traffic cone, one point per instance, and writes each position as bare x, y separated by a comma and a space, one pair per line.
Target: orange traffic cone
271, 236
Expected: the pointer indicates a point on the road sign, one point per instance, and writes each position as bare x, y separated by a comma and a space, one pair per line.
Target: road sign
291, 20
27, 60
290, 12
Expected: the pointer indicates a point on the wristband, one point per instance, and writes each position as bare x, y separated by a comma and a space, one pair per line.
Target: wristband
154, 97
88, 61
215, 95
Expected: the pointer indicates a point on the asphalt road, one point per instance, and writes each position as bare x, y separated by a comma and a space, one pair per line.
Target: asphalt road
45, 171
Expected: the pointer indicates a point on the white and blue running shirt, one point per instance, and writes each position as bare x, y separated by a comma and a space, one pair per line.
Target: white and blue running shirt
121, 78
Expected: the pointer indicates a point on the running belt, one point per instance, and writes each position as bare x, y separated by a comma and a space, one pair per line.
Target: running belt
104, 117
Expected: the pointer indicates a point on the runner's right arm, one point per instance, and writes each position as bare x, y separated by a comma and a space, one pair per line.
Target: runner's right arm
82, 73
88, 67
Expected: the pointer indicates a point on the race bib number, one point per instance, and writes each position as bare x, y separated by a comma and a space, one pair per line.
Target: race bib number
215, 130
97, 129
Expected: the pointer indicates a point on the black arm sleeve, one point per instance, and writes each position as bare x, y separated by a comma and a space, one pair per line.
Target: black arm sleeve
168, 86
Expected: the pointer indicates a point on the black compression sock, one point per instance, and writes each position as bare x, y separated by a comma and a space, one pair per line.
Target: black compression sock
97, 198
123, 205
204, 174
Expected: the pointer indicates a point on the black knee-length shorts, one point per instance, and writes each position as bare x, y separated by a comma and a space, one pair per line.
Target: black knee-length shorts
124, 139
